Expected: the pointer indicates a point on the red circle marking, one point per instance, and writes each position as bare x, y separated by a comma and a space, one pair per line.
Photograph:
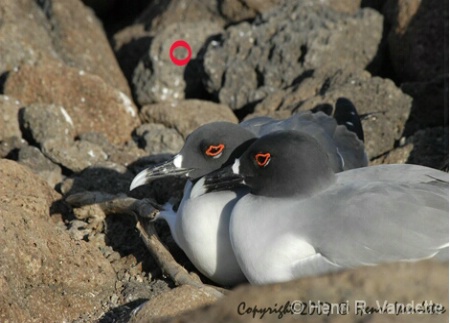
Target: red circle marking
184, 61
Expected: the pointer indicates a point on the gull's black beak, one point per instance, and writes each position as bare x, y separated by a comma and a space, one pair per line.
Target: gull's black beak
169, 168
223, 179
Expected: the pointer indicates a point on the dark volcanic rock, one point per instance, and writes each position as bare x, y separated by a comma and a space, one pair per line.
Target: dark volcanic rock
418, 39
133, 42
47, 121
159, 139
385, 106
430, 105
44, 275
157, 79
33, 158
66, 31
427, 147
91, 103
186, 116
52, 128
285, 45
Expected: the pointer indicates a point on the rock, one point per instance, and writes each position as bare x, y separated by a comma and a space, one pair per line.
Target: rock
44, 275
186, 116
237, 10
418, 39
9, 119
118, 154
174, 302
427, 147
91, 103
133, 42
66, 31
47, 121
33, 158
158, 139
350, 291
284, 46
74, 155
385, 106
157, 79
10, 146
106, 177
52, 128
430, 103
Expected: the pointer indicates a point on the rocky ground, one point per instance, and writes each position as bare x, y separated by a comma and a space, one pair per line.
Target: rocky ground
89, 97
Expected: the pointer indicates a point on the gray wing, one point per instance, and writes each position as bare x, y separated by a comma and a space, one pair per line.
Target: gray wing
380, 214
343, 147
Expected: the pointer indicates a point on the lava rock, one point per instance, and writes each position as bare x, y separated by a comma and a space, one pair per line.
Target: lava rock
398, 282
33, 158
118, 154
384, 106
285, 45
133, 42
174, 302
159, 139
106, 177
44, 275
73, 155
430, 105
418, 38
91, 103
186, 116
66, 31
427, 147
9, 118
47, 121
157, 79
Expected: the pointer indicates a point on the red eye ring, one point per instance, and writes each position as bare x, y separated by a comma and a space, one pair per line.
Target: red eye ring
262, 160
214, 150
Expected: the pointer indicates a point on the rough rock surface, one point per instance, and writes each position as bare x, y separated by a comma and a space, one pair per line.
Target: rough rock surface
280, 48
385, 107
9, 119
418, 39
60, 265
157, 79
54, 29
186, 116
45, 275
158, 139
402, 282
91, 104
175, 302
33, 158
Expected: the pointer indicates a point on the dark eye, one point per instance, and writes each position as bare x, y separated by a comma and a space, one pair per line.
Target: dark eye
215, 151
262, 160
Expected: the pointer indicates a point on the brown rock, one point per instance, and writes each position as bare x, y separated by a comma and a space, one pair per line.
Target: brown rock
9, 118
402, 282
91, 103
418, 39
63, 30
186, 116
174, 302
45, 276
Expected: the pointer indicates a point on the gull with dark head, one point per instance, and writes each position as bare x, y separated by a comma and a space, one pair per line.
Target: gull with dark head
301, 218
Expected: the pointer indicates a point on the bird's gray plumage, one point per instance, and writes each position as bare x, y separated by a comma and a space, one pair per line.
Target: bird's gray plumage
200, 226
363, 216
